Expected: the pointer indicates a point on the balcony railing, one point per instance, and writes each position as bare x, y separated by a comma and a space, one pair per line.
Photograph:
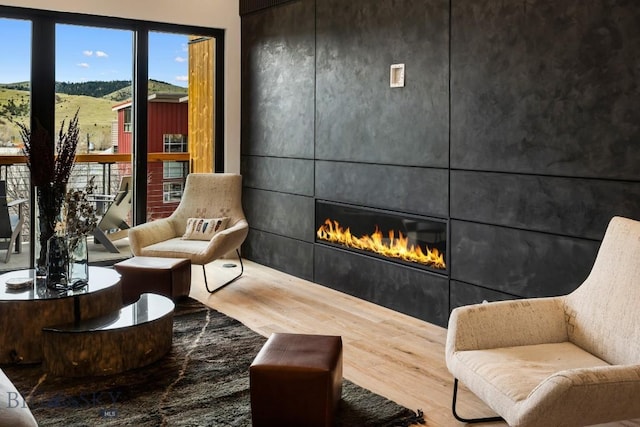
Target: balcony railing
108, 170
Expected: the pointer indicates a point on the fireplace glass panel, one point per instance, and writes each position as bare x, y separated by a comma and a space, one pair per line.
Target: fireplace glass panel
408, 239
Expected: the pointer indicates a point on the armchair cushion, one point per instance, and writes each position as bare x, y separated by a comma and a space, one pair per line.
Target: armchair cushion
198, 251
514, 372
571, 360
175, 248
204, 228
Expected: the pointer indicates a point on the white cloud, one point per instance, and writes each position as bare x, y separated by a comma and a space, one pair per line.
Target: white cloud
101, 54
87, 52
182, 78
83, 65
181, 59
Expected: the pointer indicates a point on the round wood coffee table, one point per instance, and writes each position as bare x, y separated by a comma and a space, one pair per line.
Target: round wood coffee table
23, 313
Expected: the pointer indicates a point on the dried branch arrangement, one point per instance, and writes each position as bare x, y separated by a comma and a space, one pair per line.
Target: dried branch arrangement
80, 213
47, 165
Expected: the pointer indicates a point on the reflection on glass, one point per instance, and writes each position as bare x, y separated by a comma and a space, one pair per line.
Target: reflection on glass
148, 308
101, 278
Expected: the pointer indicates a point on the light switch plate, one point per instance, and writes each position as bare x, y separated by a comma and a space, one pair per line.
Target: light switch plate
396, 75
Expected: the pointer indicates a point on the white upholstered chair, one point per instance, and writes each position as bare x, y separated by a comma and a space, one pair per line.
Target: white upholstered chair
207, 196
572, 360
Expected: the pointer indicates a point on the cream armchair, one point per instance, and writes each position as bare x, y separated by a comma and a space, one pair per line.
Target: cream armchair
572, 360
215, 195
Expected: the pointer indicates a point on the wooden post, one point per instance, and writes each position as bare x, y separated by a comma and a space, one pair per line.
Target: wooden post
201, 103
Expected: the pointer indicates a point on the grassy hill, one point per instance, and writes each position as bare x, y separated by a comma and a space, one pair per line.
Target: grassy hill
115, 90
17, 86
95, 117
155, 86
95, 114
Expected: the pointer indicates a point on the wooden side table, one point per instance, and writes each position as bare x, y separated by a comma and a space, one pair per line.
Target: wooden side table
134, 336
24, 313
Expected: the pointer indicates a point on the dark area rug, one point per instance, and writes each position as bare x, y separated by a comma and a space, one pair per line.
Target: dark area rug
203, 381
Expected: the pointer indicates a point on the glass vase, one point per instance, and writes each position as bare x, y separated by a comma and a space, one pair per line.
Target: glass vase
57, 263
50, 198
78, 261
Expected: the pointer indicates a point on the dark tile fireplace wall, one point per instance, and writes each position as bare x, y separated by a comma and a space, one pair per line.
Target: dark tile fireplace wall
519, 124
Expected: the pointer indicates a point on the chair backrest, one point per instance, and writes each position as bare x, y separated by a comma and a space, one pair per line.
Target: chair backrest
209, 195
119, 209
602, 314
5, 222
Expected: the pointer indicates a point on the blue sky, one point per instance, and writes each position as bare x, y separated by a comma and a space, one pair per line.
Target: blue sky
92, 53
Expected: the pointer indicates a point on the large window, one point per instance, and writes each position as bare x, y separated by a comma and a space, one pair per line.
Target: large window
174, 170
79, 62
126, 121
168, 97
175, 143
94, 71
172, 192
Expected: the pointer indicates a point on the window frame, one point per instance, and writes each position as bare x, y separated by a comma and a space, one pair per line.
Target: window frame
170, 170
127, 120
170, 140
167, 193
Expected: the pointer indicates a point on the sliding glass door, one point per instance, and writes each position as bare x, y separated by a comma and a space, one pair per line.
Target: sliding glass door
181, 115
168, 122
145, 121
94, 75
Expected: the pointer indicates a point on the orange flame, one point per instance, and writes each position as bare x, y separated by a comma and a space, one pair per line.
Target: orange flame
331, 231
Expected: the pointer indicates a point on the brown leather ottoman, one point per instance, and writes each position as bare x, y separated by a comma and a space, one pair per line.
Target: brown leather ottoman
170, 277
296, 380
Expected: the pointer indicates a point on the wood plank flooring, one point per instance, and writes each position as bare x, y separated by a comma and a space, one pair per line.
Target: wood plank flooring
392, 354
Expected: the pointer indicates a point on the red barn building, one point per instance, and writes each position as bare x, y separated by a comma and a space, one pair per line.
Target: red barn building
167, 131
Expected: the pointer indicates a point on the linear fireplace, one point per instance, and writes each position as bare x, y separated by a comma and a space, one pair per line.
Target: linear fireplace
406, 239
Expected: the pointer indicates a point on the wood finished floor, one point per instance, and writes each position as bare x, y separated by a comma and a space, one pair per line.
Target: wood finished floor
392, 354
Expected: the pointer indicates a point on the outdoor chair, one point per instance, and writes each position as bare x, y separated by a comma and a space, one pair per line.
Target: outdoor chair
208, 224
113, 224
571, 360
10, 224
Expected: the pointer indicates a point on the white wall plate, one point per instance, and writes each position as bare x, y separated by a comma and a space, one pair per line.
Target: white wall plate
396, 75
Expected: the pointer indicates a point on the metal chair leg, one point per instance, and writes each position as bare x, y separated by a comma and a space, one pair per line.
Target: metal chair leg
206, 284
468, 420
